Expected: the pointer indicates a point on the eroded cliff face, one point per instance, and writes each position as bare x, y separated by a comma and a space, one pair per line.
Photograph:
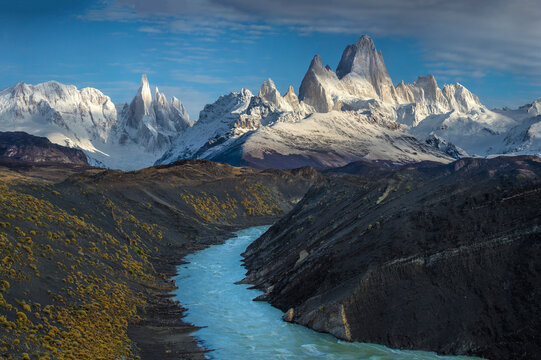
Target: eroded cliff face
434, 257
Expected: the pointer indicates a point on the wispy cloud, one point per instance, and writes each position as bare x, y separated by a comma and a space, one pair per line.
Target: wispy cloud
446, 74
150, 29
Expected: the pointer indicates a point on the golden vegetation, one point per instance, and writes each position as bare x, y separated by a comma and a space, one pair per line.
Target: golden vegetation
250, 199
88, 317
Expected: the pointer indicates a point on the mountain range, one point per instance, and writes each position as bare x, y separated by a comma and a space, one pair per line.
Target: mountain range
124, 136
353, 113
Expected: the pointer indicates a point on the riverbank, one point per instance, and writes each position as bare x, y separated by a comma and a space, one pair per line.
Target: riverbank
238, 328
437, 257
164, 334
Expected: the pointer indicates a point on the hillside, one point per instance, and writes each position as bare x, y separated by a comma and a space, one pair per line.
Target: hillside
427, 256
86, 253
23, 147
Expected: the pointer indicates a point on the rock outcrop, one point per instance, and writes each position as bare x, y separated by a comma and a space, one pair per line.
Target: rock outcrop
20, 147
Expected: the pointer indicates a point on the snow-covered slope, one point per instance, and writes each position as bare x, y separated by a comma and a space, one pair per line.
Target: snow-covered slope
87, 119
269, 130
525, 136
452, 114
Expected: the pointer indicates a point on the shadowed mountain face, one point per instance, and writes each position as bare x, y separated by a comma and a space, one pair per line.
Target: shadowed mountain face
428, 256
23, 147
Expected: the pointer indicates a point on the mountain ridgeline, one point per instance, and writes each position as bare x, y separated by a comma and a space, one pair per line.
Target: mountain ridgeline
126, 136
353, 113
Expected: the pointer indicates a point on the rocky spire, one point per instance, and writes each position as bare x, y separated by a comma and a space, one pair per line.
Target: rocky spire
363, 60
144, 93
290, 93
312, 90
269, 93
140, 105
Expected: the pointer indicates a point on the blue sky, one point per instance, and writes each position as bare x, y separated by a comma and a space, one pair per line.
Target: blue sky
197, 50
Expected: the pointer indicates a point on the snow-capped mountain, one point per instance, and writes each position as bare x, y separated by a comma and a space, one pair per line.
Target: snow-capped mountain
360, 75
353, 113
131, 138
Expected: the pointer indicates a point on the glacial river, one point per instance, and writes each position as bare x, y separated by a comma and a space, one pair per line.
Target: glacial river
235, 327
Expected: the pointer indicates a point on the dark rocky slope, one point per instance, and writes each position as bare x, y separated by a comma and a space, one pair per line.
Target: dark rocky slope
86, 254
435, 257
22, 147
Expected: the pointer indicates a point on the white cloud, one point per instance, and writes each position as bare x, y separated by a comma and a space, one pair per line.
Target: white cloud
150, 30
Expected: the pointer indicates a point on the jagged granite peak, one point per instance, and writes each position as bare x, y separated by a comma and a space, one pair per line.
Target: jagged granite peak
152, 121
362, 60
430, 87
290, 91
178, 108
269, 93
291, 98
315, 86
361, 75
426, 91
140, 105
461, 99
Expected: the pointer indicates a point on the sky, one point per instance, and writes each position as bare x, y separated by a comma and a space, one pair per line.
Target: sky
198, 50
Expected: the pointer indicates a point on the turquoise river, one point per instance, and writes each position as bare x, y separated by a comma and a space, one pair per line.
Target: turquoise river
235, 327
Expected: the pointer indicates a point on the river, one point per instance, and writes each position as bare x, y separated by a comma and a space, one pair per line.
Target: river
235, 327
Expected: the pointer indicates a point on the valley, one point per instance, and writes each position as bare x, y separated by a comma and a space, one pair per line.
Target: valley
378, 220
